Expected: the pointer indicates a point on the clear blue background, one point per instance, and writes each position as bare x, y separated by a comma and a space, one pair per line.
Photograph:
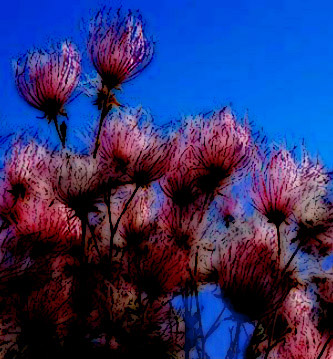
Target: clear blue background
270, 59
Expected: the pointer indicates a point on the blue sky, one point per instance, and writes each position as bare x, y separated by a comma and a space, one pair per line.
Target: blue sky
271, 59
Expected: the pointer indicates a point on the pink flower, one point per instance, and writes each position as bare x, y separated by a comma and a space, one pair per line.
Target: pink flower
118, 47
313, 212
46, 79
303, 340
249, 274
138, 225
27, 176
275, 188
54, 222
222, 150
77, 183
179, 187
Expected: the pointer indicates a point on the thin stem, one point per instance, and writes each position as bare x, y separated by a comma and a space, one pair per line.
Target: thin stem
80, 292
94, 239
279, 242
105, 110
237, 335
255, 332
200, 322
270, 338
324, 347
187, 320
292, 257
234, 342
245, 331
125, 209
198, 309
215, 325
62, 140
107, 200
83, 240
281, 339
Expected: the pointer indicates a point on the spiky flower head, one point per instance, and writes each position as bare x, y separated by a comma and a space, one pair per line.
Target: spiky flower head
118, 48
26, 177
77, 183
132, 150
275, 188
222, 149
249, 274
46, 79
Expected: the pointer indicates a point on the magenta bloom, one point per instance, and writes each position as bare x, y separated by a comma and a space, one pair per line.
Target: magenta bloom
275, 189
304, 339
222, 149
249, 274
130, 153
47, 79
118, 48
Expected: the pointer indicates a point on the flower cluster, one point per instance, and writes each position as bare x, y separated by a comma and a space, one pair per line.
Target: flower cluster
96, 248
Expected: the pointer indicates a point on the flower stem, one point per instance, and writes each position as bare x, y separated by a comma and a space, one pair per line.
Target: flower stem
279, 243
91, 229
115, 228
83, 241
107, 199
324, 347
187, 329
62, 140
292, 257
125, 208
105, 110
270, 338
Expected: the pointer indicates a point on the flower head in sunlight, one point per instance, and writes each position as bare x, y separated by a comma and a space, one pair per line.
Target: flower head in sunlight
49, 222
132, 152
118, 48
179, 187
314, 182
313, 211
46, 79
138, 227
222, 149
275, 188
26, 175
78, 184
